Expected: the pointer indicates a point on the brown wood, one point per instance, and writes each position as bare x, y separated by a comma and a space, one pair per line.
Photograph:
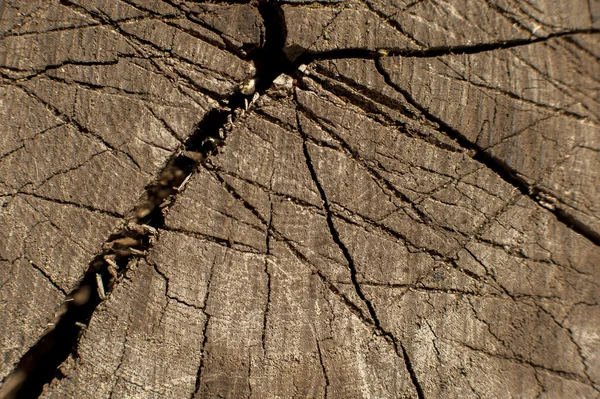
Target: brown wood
408, 209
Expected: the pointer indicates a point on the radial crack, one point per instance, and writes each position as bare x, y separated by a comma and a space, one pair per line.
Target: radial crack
351, 265
505, 172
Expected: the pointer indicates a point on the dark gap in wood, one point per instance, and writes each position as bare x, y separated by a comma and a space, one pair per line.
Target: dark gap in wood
577, 225
40, 365
484, 47
412, 374
348, 53
307, 56
270, 60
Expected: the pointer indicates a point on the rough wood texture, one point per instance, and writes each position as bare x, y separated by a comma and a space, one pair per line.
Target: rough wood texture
410, 210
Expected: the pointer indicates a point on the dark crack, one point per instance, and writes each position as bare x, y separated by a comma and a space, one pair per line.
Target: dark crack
411, 372
308, 56
40, 365
72, 203
204, 334
268, 273
353, 272
48, 277
497, 165
325, 376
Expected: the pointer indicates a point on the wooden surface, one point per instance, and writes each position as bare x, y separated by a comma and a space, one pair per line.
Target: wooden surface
411, 210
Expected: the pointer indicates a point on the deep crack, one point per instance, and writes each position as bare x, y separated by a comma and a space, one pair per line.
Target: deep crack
41, 363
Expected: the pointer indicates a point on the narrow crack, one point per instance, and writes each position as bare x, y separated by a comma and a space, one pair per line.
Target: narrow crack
72, 203
495, 164
485, 47
204, 333
269, 277
40, 365
309, 56
352, 266
48, 277
325, 376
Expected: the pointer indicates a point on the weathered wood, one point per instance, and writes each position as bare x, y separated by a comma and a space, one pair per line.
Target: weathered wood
95, 99
412, 213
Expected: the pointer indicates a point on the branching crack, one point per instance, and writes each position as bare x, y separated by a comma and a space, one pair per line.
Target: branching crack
509, 175
352, 266
131, 242
40, 364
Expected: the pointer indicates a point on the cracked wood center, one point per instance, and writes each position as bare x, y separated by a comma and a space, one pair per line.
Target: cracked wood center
298, 199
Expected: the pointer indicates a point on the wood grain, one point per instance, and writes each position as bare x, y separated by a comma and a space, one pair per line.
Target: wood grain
410, 210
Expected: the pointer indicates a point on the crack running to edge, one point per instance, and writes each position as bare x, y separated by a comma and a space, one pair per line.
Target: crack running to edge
348, 53
40, 365
495, 164
507, 173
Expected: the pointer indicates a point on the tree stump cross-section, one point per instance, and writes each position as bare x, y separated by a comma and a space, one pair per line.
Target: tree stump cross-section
299, 199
